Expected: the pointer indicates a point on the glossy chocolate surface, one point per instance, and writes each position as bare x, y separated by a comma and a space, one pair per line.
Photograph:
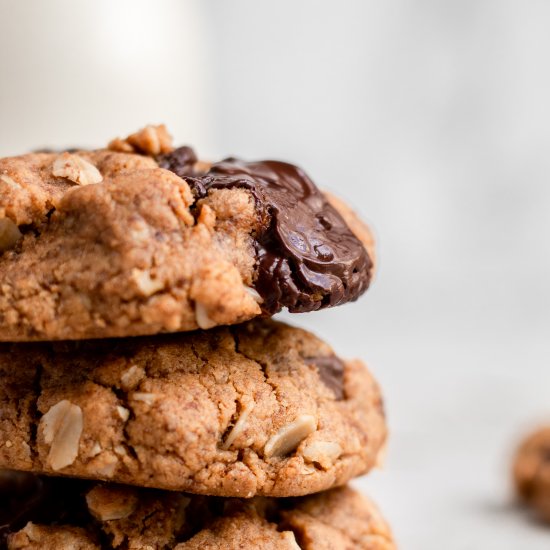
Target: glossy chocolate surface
308, 257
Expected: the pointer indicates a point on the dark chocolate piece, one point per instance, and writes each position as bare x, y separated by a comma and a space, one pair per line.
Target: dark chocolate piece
331, 373
180, 161
183, 161
308, 257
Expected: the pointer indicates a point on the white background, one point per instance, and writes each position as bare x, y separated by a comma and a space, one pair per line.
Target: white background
432, 118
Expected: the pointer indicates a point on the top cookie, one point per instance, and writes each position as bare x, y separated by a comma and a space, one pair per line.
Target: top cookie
141, 238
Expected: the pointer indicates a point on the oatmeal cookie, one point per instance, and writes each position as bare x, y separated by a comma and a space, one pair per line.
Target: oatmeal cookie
257, 409
141, 238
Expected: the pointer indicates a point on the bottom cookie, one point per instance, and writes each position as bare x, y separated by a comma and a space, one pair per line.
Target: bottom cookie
52, 513
532, 472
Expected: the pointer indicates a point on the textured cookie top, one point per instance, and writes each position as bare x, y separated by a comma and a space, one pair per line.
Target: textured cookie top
141, 238
258, 409
50, 514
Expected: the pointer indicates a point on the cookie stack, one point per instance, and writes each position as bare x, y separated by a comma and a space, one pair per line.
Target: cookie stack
147, 398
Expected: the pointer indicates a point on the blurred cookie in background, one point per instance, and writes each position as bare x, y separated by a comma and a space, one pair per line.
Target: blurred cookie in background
531, 472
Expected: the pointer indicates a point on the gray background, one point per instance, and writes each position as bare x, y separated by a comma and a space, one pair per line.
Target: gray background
432, 118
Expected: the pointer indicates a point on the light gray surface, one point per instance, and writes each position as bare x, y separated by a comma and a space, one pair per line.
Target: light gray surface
433, 119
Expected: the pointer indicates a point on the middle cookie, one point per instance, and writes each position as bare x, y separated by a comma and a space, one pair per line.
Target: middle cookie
257, 409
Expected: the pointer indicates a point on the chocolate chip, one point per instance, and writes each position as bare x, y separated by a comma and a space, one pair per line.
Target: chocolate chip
308, 257
197, 187
331, 373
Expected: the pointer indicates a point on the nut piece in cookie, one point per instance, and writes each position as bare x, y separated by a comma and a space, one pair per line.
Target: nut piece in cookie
151, 140
290, 436
76, 169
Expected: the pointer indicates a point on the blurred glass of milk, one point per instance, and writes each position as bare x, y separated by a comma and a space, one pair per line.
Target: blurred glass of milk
80, 73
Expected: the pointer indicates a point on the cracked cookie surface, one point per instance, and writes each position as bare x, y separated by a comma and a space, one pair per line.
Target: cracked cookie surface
257, 409
142, 239
53, 513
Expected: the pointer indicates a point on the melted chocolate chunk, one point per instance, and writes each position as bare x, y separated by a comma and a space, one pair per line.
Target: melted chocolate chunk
182, 161
331, 373
308, 257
